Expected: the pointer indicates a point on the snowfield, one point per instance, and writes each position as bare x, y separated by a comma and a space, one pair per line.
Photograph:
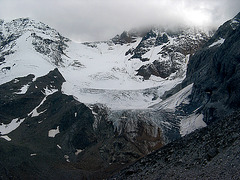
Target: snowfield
105, 75
98, 72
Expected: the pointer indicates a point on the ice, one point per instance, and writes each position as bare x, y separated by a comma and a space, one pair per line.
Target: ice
175, 100
7, 128
6, 138
47, 92
24, 89
218, 42
24, 61
78, 151
99, 74
67, 158
191, 123
53, 132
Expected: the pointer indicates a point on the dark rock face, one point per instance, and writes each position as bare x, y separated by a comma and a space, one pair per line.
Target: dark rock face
15, 105
215, 73
209, 153
124, 38
164, 68
147, 42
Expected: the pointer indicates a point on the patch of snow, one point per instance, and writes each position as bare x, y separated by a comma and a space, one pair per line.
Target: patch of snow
53, 132
24, 89
47, 92
34, 112
7, 128
67, 158
16, 81
191, 123
33, 154
218, 42
6, 138
75, 114
78, 151
59, 146
94, 113
175, 100
234, 23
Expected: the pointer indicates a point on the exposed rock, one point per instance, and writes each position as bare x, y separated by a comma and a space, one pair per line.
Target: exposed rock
172, 56
124, 38
209, 153
214, 70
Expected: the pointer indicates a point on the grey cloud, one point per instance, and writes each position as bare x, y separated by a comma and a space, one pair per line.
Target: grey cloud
87, 20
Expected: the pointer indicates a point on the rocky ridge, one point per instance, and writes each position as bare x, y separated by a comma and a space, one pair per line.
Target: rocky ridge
164, 50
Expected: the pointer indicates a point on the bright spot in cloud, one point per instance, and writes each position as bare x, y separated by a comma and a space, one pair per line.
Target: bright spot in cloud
197, 18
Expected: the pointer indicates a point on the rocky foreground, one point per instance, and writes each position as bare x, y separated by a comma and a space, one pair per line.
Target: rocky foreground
210, 153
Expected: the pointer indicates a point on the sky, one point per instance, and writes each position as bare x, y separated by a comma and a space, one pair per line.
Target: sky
95, 20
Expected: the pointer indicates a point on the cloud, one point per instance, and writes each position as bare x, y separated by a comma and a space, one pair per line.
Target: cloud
88, 20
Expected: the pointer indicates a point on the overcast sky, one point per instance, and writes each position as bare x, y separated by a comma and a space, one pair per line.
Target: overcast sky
91, 20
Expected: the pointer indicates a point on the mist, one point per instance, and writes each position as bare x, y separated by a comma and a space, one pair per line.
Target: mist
84, 20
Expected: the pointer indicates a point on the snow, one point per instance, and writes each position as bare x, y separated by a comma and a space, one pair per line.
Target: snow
6, 138
53, 132
24, 89
24, 61
34, 112
7, 128
67, 158
234, 23
175, 100
33, 154
191, 123
59, 147
78, 151
98, 73
218, 42
102, 74
109, 77
16, 81
47, 92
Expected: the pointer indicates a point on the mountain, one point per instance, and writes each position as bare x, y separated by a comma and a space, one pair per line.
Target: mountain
211, 152
85, 110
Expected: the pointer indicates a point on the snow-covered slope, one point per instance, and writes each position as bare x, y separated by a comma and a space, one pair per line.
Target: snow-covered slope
108, 72
28, 47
